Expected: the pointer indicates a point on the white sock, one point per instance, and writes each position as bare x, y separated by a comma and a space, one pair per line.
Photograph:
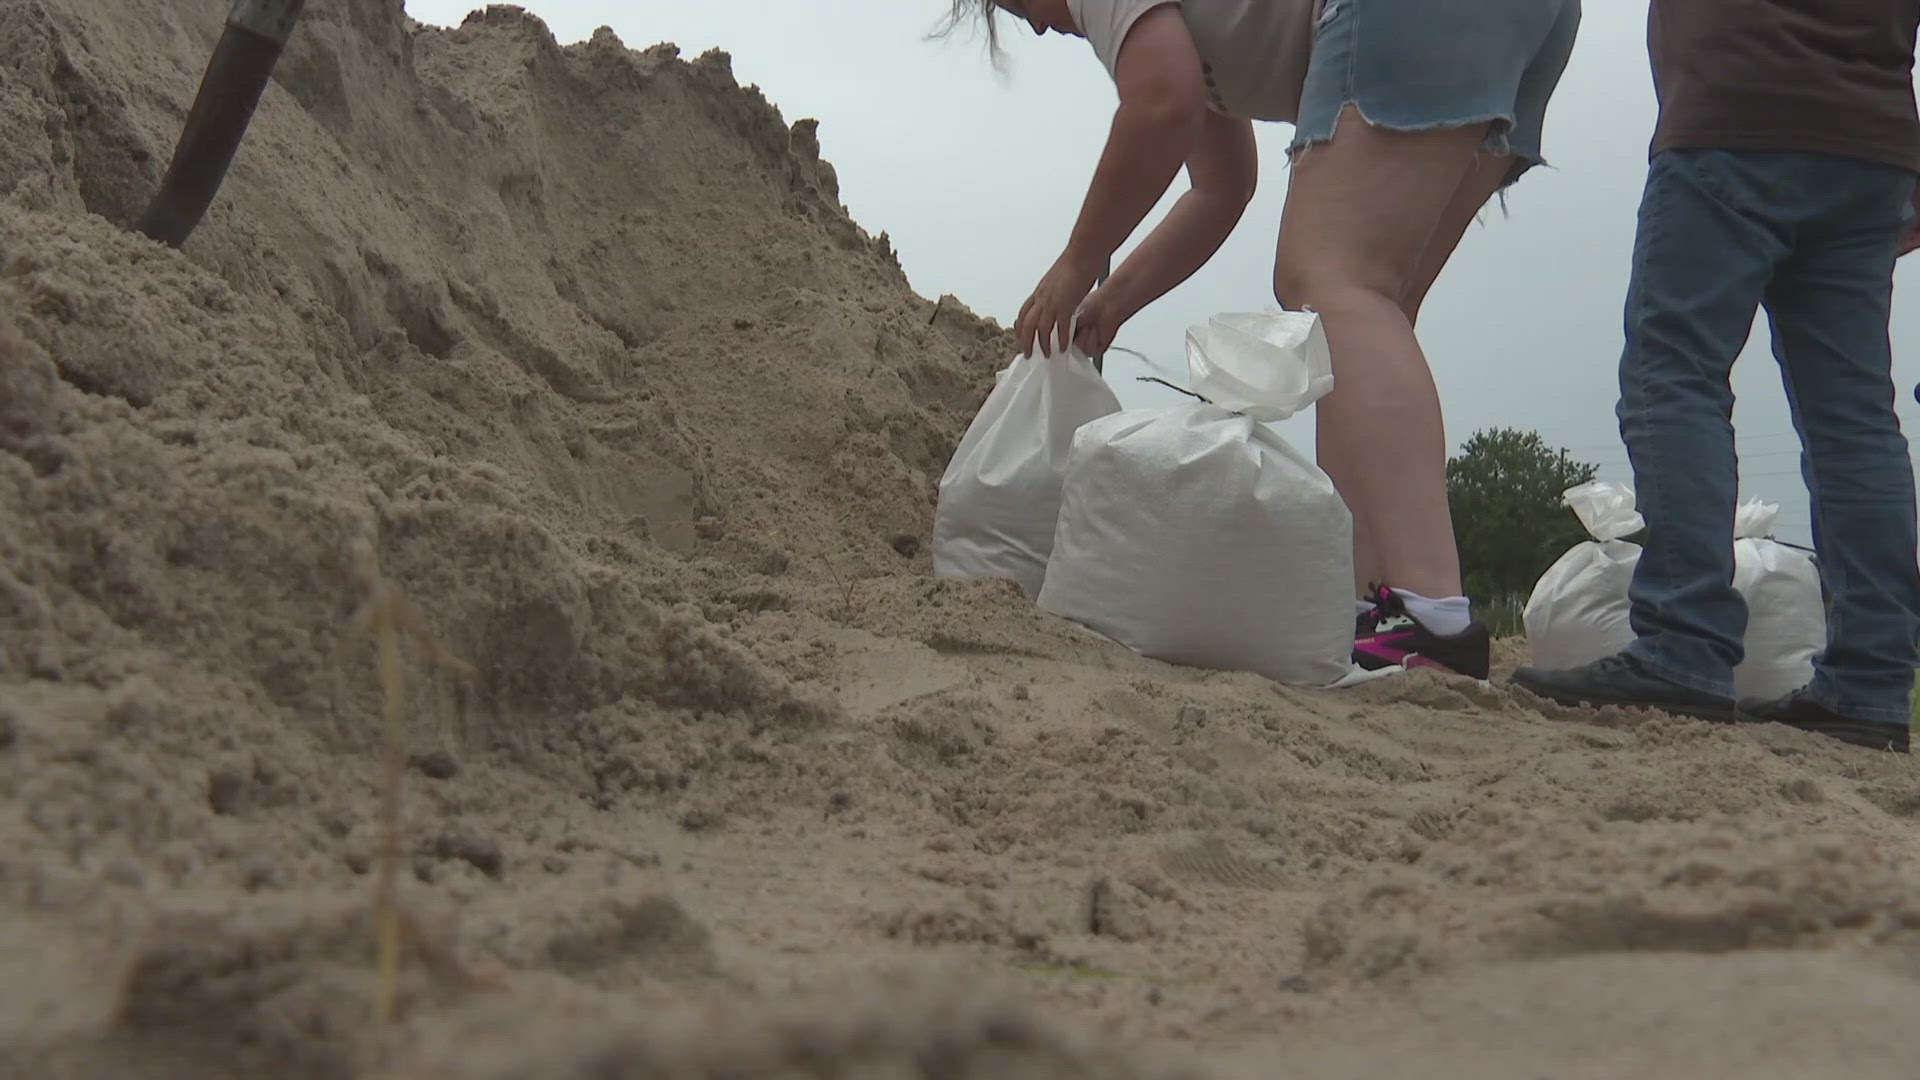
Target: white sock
1361, 607
1445, 617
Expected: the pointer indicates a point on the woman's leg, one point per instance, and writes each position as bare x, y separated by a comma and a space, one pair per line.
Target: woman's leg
1362, 211
1483, 181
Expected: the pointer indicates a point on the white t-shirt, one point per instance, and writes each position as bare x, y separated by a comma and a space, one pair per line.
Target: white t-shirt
1254, 53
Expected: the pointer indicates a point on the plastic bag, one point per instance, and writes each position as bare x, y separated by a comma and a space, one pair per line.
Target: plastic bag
1578, 611
1196, 534
1000, 495
1786, 612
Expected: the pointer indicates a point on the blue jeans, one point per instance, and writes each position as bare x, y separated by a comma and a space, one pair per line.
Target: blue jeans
1814, 238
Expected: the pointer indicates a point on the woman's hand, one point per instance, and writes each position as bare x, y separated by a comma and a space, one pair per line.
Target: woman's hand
1098, 323
1046, 319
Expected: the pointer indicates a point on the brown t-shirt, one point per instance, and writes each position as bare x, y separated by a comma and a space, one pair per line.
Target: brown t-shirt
1821, 76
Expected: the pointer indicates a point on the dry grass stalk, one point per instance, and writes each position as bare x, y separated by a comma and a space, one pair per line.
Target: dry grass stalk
850, 609
387, 615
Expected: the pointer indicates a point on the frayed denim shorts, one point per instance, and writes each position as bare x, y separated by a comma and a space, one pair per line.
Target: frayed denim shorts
1418, 65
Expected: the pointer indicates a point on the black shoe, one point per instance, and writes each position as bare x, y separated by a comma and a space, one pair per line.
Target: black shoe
1622, 680
1799, 710
1388, 636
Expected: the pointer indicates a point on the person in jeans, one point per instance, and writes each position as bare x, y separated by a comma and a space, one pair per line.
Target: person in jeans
1409, 116
1782, 175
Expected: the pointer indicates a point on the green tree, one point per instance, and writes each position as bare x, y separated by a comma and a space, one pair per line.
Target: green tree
1508, 518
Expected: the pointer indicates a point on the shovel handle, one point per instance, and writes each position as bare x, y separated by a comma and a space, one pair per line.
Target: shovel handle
271, 19
256, 33
1100, 362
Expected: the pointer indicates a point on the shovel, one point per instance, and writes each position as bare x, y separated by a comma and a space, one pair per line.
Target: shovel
1100, 362
243, 62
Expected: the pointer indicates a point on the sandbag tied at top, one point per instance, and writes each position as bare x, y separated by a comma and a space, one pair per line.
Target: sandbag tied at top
1580, 608
1196, 534
1578, 611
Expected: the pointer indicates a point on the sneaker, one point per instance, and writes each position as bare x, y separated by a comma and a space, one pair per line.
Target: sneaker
1799, 710
1365, 621
1388, 636
1622, 680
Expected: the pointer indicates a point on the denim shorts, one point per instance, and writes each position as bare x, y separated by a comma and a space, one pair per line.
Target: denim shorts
1416, 65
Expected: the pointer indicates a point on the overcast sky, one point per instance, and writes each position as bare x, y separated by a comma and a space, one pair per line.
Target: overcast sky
977, 176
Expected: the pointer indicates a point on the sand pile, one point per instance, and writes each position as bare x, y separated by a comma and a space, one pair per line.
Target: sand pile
581, 345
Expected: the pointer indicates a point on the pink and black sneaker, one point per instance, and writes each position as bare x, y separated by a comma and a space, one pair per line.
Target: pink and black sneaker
1388, 636
1365, 621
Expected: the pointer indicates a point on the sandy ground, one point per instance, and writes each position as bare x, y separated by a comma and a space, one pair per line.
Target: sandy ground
580, 341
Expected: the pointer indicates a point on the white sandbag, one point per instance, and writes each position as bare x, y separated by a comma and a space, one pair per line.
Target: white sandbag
1786, 614
1578, 611
1196, 534
1000, 495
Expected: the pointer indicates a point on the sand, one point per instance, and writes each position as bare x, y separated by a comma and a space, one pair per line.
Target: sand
580, 342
